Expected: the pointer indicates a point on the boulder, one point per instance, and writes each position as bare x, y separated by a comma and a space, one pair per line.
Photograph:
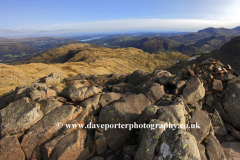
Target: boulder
218, 125
126, 110
70, 147
163, 77
109, 97
36, 94
19, 116
228, 76
214, 149
176, 78
217, 85
49, 105
148, 113
200, 118
91, 104
137, 77
154, 92
79, 94
173, 113
180, 85
194, 90
231, 150
232, 101
101, 144
52, 79
10, 149
46, 128
202, 149
149, 141
177, 144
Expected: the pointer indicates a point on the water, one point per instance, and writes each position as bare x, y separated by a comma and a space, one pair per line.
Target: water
192, 58
84, 40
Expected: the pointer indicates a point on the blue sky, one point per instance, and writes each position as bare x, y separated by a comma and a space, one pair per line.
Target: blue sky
29, 16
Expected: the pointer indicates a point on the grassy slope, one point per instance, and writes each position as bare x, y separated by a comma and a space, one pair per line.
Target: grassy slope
88, 59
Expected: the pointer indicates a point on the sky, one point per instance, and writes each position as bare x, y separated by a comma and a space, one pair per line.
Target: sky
26, 17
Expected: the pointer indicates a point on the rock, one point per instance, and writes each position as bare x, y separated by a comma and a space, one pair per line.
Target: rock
97, 158
126, 157
122, 87
235, 134
109, 97
178, 77
180, 85
231, 150
201, 149
218, 124
127, 110
48, 146
79, 94
70, 147
148, 113
154, 93
214, 149
19, 116
200, 118
36, 94
49, 105
217, 85
190, 70
91, 104
222, 112
173, 113
137, 77
177, 144
130, 150
194, 90
46, 128
209, 100
232, 101
10, 149
101, 144
50, 93
57, 89
228, 76
163, 78
149, 141
52, 79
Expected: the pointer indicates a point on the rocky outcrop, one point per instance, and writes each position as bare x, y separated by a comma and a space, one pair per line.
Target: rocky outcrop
190, 115
232, 101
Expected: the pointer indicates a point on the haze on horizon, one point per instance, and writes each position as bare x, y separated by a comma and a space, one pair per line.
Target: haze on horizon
53, 17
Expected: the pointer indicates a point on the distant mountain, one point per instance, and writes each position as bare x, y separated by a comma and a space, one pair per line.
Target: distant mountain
207, 32
229, 53
213, 42
155, 45
12, 49
87, 53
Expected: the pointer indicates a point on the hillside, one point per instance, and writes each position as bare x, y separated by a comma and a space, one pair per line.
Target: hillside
229, 53
213, 42
11, 50
83, 58
191, 38
155, 45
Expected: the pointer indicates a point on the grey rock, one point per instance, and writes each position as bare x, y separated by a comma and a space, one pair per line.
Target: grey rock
194, 90
214, 149
19, 116
201, 118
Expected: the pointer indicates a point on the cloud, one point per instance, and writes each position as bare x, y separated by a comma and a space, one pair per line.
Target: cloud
128, 25
145, 24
